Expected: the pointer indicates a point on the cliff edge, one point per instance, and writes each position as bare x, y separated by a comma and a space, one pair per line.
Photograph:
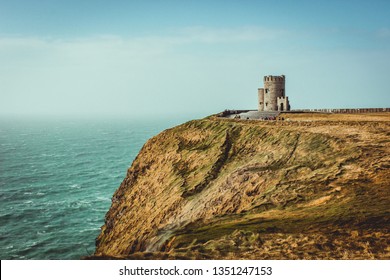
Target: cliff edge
315, 186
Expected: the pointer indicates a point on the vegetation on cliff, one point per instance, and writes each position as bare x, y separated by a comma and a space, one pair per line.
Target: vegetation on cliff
313, 187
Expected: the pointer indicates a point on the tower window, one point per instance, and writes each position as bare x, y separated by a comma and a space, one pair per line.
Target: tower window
266, 90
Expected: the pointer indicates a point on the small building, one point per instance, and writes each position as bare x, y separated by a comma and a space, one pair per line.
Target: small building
273, 96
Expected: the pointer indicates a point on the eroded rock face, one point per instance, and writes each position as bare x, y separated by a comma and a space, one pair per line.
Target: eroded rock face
216, 188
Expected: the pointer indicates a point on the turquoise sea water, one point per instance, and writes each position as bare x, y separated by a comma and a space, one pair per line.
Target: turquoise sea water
57, 178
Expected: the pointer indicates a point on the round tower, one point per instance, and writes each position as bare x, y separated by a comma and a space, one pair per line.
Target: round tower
274, 87
260, 93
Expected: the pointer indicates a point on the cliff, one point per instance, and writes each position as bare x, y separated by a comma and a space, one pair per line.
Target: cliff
313, 187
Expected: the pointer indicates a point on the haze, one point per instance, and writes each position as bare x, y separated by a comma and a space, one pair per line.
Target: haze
158, 58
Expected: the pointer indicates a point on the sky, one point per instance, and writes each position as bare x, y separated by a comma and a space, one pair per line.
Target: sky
161, 58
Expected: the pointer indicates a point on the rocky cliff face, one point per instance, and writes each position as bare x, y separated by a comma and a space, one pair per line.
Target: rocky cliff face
215, 188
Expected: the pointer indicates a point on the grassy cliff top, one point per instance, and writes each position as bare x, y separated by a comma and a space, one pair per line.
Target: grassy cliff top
315, 186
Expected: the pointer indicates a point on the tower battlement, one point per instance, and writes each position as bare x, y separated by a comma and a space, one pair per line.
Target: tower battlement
270, 78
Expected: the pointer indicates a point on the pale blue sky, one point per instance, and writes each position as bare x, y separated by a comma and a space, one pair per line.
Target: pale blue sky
189, 57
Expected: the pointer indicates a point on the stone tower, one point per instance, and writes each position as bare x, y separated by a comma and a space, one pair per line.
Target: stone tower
273, 96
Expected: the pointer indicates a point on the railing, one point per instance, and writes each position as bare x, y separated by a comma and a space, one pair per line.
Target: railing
334, 111
345, 111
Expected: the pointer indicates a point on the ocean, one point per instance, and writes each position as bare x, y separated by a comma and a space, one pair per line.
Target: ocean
57, 178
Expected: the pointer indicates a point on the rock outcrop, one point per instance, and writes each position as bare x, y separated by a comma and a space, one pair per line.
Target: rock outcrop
313, 187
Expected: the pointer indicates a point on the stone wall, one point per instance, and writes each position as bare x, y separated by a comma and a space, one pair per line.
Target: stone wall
283, 104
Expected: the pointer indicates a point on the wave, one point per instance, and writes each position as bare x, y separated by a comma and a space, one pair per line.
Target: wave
79, 204
75, 186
